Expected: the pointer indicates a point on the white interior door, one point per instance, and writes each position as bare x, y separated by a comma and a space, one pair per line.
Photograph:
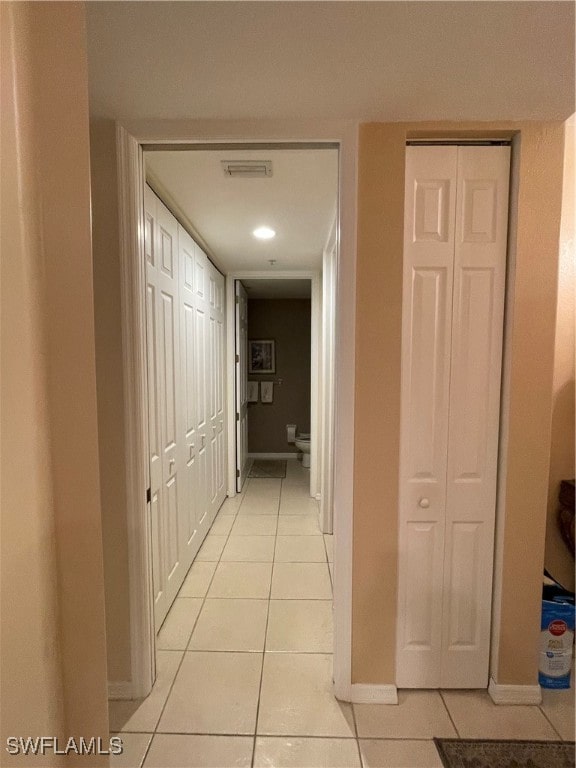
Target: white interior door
201, 363
220, 312
215, 384
162, 274
185, 351
453, 297
477, 331
191, 347
327, 397
241, 384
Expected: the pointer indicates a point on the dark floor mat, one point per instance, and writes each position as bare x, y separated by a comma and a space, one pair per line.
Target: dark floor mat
489, 753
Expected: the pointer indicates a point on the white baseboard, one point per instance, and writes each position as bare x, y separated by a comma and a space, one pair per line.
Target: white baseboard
373, 694
273, 455
514, 694
119, 690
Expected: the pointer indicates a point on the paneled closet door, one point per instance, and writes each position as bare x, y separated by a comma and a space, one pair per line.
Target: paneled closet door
430, 205
215, 382
162, 274
201, 364
241, 303
220, 389
477, 330
193, 502
454, 279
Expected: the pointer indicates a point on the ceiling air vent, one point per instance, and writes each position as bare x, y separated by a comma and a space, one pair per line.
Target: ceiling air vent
247, 169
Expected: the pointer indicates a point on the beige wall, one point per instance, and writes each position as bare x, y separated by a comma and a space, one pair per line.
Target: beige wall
53, 644
378, 326
558, 559
287, 321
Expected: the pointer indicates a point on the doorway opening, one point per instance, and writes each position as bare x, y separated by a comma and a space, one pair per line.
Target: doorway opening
273, 348
191, 359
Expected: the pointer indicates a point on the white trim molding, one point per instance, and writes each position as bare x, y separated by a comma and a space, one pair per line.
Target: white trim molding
373, 694
131, 213
514, 694
120, 691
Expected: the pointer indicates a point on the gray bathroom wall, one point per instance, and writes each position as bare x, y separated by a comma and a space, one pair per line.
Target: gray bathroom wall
287, 321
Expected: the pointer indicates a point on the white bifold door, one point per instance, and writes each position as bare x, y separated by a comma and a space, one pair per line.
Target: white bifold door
241, 328
185, 355
455, 238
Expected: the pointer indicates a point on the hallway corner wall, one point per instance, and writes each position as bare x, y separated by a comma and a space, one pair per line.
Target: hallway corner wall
559, 561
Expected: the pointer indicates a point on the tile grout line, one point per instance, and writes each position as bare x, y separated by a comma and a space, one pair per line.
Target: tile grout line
556, 731
145, 755
265, 636
190, 636
361, 761
282, 735
449, 714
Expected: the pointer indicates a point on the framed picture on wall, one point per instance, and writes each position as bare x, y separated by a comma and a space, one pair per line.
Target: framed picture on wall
261, 356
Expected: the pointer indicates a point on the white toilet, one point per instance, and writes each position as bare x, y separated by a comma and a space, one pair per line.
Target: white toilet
303, 444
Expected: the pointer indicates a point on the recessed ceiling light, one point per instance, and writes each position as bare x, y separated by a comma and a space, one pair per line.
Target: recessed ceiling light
264, 233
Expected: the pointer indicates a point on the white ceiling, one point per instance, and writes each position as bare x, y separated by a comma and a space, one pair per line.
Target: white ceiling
278, 289
298, 201
358, 60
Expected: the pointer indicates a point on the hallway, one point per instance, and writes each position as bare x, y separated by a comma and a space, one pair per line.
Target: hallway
244, 662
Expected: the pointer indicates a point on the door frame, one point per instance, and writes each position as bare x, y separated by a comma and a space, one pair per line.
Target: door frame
315, 368
131, 139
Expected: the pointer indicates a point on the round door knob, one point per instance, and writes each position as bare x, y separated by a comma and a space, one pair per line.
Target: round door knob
424, 503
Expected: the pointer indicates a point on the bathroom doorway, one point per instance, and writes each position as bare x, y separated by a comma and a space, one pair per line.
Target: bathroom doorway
273, 378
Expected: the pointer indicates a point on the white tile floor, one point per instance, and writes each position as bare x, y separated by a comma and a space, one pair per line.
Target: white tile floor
244, 662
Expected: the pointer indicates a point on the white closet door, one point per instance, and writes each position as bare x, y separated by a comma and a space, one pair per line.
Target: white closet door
154, 436
193, 503
454, 278
220, 390
215, 383
185, 350
163, 349
241, 384
430, 200
201, 388
477, 322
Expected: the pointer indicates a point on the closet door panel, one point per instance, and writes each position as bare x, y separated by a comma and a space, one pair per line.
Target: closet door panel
220, 407
427, 298
477, 328
170, 398
241, 344
201, 362
161, 259
185, 368
194, 531
153, 387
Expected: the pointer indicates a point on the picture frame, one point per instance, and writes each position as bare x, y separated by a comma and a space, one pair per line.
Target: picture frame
261, 356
